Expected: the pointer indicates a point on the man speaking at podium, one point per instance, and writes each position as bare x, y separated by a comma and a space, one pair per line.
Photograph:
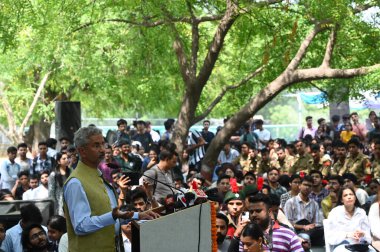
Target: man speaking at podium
90, 202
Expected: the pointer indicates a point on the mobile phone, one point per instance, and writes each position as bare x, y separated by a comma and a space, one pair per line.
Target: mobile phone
245, 216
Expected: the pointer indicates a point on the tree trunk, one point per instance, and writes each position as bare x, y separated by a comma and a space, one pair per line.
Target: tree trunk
38, 131
340, 105
186, 117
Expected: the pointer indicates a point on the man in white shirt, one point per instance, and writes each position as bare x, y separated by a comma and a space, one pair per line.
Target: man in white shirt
38, 192
228, 154
263, 134
9, 169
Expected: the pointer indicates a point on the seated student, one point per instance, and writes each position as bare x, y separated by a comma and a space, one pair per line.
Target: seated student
318, 191
252, 238
275, 187
42, 191
141, 202
331, 201
294, 182
350, 179
303, 214
223, 185
56, 228
261, 213
34, 238
221, 232
235, 206
347, 223
33, 184
249, 179
29, 214
374, 216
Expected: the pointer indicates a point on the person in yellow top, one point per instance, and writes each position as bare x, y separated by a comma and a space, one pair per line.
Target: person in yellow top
347, 133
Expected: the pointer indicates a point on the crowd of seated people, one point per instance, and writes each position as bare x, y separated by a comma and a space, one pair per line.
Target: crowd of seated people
263, 188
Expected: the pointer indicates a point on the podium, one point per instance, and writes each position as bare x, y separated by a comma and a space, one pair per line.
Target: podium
188, 230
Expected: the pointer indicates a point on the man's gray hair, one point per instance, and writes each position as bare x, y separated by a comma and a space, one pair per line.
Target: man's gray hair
82, 135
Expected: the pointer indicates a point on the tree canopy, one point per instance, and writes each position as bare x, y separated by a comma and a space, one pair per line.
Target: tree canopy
191, 59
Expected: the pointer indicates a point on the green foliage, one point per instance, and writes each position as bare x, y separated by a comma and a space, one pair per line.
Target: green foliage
118, 69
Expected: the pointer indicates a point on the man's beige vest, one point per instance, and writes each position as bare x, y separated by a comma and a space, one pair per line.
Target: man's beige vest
96, 192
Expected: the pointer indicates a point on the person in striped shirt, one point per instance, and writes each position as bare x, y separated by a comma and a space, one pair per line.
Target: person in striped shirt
304, 214
277, 238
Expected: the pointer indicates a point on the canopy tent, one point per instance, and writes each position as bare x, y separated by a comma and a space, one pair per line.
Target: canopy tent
370, 101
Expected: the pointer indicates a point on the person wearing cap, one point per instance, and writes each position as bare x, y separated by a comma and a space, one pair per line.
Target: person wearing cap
356, 163
283, 161
249, 179
349, 179
136, 149
326, 165
142, 136
235, 206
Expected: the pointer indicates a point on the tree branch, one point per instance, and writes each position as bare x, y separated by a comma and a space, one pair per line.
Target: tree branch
8, 110
320, 89
329, 48
294, 63
224, 91
179, 50
194, 40
217, 43
2, 129
328, 73
34, 103
149, 22
363, 7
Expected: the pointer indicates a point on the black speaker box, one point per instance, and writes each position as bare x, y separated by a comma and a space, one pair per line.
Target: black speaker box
67, 119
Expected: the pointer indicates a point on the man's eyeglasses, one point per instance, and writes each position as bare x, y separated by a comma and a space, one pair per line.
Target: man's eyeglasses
38, 235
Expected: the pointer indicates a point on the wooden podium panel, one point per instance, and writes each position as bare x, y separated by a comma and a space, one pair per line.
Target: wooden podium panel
188, 230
